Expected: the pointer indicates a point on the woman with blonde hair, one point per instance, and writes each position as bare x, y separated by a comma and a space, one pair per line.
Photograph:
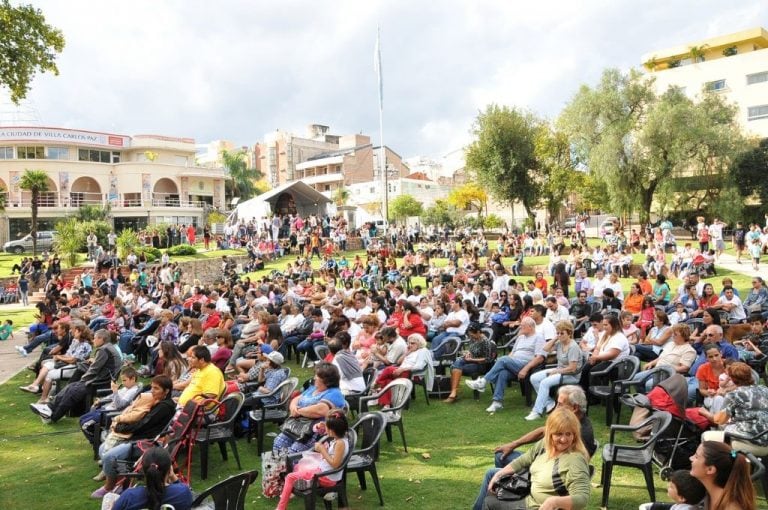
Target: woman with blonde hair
559, 468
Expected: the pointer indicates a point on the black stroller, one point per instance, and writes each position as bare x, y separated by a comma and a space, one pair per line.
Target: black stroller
676, 445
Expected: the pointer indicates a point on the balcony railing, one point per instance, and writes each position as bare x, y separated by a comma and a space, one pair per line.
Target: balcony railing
76, 199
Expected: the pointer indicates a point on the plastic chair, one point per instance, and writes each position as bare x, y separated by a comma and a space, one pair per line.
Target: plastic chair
638, 456
353, 397
106, 419
221, 431
616, 373
228, 494
401, 394
270, 413
508, 341
369, 428
758, 472
654, 376
314, 490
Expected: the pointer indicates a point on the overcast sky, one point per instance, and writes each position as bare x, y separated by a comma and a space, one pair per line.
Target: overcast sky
236, 70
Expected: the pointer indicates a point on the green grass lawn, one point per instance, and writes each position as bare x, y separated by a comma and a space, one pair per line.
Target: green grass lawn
50, 466
459, 439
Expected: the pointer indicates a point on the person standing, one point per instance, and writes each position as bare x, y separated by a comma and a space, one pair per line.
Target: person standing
23, 284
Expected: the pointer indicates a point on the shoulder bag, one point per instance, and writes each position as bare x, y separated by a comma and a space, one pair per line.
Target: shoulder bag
298, 429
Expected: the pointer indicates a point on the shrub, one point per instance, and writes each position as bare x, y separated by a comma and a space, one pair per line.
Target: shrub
182, 249
493, 221
126, 241
149, 250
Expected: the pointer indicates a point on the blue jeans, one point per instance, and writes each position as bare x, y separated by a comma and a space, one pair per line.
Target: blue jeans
46, 338
503, 370
308, 346
466, 367
543, 382
484, 488
109, 458
288, 342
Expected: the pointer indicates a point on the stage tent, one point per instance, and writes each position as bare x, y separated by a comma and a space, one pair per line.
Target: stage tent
291, 198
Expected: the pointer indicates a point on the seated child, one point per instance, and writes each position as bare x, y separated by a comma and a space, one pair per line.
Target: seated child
332, 450
6, 330
120, 399
748, 345
685, 490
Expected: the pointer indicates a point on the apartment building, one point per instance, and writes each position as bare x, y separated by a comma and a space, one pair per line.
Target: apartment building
735, 65
143, 178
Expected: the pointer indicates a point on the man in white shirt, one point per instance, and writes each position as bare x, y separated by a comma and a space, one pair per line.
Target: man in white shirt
543, 326
527, 353
455, 324
615, 285
501, 280
716, 237
599, 285
361, 310
536, 295
732, 304
582, 283
555, 311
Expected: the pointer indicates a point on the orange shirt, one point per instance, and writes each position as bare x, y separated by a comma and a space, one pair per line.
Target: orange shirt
645, 287
633, 303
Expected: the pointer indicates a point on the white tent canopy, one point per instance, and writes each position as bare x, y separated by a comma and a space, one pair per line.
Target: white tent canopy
292, 198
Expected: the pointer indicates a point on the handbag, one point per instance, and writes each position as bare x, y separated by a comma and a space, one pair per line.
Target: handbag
517, 486
273, 468
513, 487
298, 429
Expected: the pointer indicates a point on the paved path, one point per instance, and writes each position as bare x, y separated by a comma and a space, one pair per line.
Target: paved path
728, 262
11, 362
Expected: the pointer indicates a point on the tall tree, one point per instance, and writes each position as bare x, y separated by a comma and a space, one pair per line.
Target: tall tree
404, 206
553, 154
442, 213
469, 196
750, 170
636, 141
27, 45
36, 182
242, 181
503, 156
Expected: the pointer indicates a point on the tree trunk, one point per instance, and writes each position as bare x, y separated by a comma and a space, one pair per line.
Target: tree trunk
646, 199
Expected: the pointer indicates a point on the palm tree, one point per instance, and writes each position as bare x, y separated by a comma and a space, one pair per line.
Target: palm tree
242, 178
36, 182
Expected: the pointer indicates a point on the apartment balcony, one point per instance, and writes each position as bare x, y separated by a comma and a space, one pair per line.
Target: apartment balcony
56, 202
322, 178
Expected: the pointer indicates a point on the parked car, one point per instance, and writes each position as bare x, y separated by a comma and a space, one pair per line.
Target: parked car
570, 223
44, 242
609, 224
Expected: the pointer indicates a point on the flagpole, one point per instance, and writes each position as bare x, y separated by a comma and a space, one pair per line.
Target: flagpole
382, 150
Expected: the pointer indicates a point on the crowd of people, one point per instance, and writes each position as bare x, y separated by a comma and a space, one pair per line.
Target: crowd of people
200, 340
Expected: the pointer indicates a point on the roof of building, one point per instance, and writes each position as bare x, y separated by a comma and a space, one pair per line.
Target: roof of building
756, 35
418, 176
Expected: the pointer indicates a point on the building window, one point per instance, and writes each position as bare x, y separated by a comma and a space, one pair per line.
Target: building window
757, 78
757, 112
6, 152
58, 153
30, 152
115, 157
715, 86
94, 155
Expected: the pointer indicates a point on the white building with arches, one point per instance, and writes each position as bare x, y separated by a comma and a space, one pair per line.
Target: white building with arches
143, 178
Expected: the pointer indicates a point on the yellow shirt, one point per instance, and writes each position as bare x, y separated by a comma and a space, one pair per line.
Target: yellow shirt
206, 381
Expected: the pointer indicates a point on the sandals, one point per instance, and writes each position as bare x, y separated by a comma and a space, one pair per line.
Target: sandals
450, 400
30, 388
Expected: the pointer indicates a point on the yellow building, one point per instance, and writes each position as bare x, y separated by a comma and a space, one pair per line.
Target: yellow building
143, 178
735, 65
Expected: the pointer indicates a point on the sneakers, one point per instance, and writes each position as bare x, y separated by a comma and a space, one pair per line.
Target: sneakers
551, 407
41, 410
31, 388
310, 364
477, 384
21, 350
100, 477
495, 406
533, 416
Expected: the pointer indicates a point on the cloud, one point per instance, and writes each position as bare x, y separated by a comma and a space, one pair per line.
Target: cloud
239, 69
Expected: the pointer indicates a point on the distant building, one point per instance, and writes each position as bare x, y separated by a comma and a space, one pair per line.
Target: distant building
735, 65
277, 156
143, 178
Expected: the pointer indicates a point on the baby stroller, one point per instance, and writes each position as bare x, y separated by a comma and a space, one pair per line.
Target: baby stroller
701, 266
676, 445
